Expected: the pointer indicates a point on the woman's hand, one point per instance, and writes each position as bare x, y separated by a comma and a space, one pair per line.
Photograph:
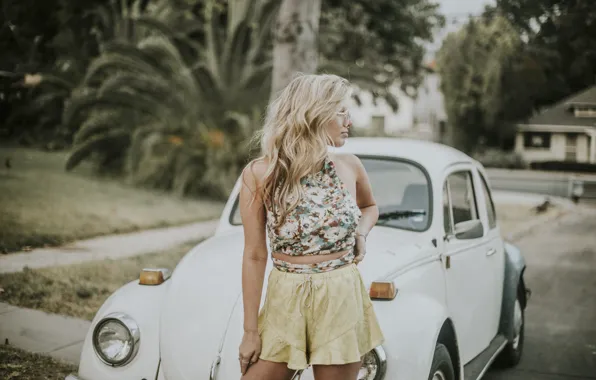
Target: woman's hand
360, 248
249, 351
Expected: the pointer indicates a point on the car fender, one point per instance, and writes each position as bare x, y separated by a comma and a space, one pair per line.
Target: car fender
143, 304
411, 325
515, 266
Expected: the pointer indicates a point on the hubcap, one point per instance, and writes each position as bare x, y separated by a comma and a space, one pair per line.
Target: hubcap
517, 324
439, 375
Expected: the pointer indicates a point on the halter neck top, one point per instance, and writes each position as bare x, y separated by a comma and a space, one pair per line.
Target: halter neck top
324, 220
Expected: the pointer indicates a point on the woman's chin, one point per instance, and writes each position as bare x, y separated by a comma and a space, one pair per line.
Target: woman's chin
341, 141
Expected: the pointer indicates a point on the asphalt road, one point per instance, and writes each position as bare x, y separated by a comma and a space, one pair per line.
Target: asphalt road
561, 315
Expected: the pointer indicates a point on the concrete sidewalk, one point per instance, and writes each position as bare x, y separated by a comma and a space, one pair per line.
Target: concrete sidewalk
108, 247
35, 331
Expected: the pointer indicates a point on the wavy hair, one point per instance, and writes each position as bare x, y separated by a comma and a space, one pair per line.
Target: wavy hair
294, 140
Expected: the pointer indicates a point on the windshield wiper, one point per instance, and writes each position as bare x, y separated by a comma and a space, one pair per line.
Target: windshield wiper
398, 214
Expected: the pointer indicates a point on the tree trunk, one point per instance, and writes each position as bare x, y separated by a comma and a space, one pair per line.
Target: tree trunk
295, 41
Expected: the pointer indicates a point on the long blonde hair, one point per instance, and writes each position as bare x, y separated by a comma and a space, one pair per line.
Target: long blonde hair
294, 140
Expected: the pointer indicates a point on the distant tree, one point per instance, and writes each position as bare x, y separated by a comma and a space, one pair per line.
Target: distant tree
373, 44
378, 43
560, 36
295, 41
473, 63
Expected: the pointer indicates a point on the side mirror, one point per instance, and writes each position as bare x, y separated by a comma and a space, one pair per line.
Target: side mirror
470, 229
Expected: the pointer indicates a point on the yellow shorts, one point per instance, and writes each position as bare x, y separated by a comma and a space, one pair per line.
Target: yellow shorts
321, 318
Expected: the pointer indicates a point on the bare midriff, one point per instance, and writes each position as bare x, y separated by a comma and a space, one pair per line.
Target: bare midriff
310, 259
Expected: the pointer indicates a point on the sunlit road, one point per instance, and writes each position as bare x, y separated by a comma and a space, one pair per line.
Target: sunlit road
561, 316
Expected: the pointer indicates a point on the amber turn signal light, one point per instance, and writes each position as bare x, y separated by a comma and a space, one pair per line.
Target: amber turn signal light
382, 290
154, 276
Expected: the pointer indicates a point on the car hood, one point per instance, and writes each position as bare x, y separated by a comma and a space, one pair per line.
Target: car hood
203, 312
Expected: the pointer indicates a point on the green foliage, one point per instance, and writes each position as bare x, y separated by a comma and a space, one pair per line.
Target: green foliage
560, 40
473, 63
167, 122
377, 43
169, 92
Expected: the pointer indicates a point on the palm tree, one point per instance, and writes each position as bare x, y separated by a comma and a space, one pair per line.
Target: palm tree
169, 122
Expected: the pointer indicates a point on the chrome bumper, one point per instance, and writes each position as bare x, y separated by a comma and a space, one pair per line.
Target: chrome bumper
72, 377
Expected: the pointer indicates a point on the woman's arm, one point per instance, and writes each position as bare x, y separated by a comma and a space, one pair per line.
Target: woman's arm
365, 199
367, 204
254, 261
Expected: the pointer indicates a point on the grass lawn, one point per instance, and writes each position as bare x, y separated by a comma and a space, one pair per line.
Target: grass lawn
16, 364
79, 290
42, 204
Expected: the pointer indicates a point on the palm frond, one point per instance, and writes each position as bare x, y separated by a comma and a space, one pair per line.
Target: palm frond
133, 62
57, 81
99, 123
153, 25
84, 150
265, 20
144, 105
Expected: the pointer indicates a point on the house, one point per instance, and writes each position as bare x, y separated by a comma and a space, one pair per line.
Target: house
422, 117
564, 132
378, 115
429, 114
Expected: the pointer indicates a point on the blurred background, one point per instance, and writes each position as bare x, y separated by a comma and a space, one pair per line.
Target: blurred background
136, 116
165, 94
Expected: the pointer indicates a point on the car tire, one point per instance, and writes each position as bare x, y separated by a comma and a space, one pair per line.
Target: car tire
512, 353
442, 366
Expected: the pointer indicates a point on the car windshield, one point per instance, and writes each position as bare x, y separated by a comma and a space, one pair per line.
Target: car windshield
401, 190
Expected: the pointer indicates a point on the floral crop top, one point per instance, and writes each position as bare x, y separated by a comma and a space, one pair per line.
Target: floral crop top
324, 221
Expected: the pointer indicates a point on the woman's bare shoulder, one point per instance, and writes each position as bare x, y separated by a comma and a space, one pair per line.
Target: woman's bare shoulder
254, 171
349, 160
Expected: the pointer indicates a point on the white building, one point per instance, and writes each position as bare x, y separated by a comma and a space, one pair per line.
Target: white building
422, 117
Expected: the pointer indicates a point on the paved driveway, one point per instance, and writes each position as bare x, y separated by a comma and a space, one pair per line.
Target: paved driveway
561, 316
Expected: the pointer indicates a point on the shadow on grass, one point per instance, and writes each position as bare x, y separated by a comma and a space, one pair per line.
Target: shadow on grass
43, 205
22, 365
79, 290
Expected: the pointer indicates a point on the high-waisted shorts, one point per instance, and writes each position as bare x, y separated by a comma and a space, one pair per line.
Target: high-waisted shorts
321, 318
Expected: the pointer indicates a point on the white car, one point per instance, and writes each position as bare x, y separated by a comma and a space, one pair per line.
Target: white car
447, 290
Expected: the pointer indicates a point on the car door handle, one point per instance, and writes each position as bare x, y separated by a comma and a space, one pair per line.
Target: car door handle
491, 252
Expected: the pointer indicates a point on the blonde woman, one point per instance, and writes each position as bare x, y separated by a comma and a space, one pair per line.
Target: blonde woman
317, 209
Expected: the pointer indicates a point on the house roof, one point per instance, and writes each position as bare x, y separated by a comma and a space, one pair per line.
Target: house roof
586, 97
562, 112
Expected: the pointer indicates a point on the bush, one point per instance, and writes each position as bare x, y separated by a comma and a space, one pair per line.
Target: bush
496, 158
569, 166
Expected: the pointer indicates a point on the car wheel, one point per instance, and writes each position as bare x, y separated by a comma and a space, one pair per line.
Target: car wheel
512, 353
442, 367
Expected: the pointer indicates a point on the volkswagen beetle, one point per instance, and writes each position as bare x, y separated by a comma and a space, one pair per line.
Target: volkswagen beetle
448, 291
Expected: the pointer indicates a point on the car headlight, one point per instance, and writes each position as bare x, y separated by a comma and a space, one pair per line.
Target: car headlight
116, 339
374, 365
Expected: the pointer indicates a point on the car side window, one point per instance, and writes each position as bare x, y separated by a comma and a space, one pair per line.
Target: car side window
490, 206
462, 196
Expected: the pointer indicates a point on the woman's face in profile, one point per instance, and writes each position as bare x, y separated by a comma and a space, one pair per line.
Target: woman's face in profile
339, 126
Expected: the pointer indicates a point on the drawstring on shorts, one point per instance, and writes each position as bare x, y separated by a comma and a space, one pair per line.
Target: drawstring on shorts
305, 289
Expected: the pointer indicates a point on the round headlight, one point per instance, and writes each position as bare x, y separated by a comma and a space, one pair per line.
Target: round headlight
116, 339
374, 365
